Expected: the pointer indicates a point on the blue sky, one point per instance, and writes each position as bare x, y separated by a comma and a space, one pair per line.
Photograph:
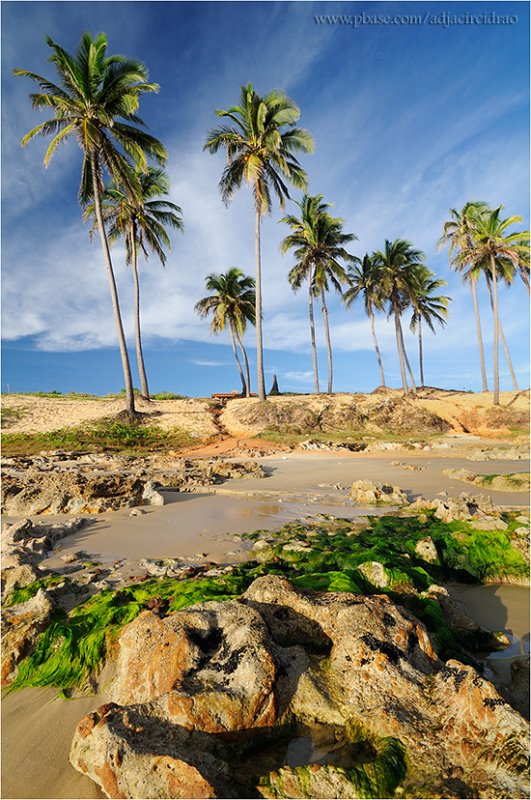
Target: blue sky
409, 121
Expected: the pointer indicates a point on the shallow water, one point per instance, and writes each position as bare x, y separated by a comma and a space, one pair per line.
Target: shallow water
498, 607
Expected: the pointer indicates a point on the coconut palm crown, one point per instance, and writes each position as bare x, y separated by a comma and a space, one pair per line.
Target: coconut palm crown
231, 305
261, 142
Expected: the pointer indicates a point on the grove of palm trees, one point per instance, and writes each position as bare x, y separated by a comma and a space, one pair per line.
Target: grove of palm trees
252, 594
96, 101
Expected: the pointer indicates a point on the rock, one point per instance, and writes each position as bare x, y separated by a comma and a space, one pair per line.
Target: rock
17, 531
374, 493
511, 482
136, 512
519, 688
75, 492
195, 689
426, 550
375, 573
316, 780
488, 524
467, 507
21, 625
18, 576
150, 496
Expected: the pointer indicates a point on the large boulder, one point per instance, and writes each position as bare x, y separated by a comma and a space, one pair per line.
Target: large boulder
198, 691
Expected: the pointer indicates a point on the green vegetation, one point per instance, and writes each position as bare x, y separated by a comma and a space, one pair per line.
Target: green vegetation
320, 555
29, 591
105, 434
382, 769
10, 415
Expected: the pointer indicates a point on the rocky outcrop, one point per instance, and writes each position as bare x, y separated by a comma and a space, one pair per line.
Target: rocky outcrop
199, 694
366, 493
74, 493
66, 483
511, 482
477, 509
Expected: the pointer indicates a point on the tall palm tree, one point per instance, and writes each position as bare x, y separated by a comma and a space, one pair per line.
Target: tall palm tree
232, 304
493, 246
365, 279
303, 239
427, 307
141, 220
458, 233
399, 263
260, 140
95, 101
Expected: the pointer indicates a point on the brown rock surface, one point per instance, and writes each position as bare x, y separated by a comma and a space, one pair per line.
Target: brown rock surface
198, 687
21, 625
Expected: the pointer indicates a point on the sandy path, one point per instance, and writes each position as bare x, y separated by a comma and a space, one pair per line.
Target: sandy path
37, 731
41, 414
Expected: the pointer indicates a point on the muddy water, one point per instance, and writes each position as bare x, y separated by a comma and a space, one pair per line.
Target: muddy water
498, 607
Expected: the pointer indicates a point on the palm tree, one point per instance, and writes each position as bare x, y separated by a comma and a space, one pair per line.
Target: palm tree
428, 307
302, 238
457, 231
491, 246
141, 220
398, 265
260, 145
365, 280
96, 100
330, 273
232, 305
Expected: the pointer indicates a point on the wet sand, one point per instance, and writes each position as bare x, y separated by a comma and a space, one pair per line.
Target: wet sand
37, 730
298, 485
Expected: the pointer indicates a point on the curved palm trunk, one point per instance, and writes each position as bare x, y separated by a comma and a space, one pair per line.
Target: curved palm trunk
421, 363
259, 345
138, 338
233, 342
380, 365
328, 343
504, 343
480, 337
400, 353
246, 362
126, 367
496, 399
406, 359
312, 333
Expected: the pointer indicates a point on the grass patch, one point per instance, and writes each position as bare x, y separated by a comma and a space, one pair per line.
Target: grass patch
316, 555
8, 416
106, 434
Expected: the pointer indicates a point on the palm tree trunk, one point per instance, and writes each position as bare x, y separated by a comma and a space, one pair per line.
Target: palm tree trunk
312, 333
502, 338
259, 345
233, 342
328, 343
496, 399
406, 359
382, 376
246, 361
126, 367
138, 339
480, 337
400, 353
421, 364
